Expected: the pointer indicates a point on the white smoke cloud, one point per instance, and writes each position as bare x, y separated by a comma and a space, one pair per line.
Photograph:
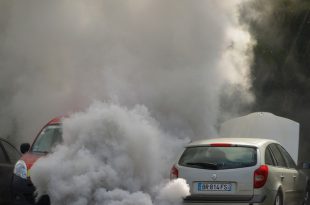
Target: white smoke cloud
173, 192
172, 56
111, 155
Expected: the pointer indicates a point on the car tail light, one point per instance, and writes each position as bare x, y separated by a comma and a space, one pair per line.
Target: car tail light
220, 145
260, 176
174, 173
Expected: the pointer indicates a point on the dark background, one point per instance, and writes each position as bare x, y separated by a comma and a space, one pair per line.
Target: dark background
281, 68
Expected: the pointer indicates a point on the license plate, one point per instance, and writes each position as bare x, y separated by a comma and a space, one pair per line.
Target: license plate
205, 186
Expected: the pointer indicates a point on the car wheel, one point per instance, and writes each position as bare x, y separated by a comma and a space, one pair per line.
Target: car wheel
306, 197
279, 199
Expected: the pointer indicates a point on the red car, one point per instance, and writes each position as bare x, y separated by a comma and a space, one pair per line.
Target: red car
22, 187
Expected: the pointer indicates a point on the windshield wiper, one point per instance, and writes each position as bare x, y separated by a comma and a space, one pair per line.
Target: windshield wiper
204, 165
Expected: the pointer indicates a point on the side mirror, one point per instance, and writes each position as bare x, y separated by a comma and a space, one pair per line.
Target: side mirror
24, 148
304, 165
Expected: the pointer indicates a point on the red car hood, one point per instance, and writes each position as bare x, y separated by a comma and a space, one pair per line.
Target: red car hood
30, 158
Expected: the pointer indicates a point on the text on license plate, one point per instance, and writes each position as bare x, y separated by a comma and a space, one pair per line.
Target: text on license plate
204, 186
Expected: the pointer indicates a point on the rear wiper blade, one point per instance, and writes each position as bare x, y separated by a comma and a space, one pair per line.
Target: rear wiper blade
43, 152
206, 165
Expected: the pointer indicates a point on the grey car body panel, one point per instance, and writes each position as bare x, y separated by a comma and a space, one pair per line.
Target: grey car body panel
291, 182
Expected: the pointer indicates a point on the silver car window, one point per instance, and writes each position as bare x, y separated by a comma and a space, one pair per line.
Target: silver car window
278, 156
219, 158
268, 157
289, 161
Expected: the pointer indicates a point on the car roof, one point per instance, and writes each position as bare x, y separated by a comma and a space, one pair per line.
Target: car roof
256, 142
56, 120
5, 140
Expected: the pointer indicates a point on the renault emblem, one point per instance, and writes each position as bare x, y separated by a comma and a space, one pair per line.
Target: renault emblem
213, 177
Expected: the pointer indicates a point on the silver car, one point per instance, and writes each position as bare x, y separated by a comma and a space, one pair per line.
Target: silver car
240, 171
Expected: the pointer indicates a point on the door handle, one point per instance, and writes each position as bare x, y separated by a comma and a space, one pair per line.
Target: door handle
282, 177
294, 177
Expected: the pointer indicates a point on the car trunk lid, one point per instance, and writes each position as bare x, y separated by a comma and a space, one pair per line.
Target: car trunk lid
227, 176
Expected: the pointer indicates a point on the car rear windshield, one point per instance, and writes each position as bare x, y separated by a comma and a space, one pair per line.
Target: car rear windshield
217, 158
49, 137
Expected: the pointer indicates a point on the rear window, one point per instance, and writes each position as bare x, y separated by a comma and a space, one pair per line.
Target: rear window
218, 158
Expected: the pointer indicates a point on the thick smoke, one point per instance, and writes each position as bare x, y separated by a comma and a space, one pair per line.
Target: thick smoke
111, 155
280, 68
161, 66
173, 56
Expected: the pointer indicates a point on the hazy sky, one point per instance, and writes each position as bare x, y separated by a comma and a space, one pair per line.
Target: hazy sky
172, 56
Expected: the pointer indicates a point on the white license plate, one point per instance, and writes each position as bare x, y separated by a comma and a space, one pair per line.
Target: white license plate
205, 186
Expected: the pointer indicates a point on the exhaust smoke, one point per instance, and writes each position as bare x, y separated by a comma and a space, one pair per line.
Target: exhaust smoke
161, 67
172, 56
111, 155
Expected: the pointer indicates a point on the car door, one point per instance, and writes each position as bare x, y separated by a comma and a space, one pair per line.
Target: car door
6, 169
284, 175
298, 179
12, 153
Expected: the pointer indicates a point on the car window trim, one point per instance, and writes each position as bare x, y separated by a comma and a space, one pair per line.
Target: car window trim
275, 163
11, 146
8, 161
233, 145
54, 124
4, 142
286, 166
295, 166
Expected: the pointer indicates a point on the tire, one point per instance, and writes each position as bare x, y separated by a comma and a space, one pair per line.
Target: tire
307, 197
278, 199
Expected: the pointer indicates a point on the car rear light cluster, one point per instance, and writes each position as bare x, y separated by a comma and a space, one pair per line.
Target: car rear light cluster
260, 176
174, 173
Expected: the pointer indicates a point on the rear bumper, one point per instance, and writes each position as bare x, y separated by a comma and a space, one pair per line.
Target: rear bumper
23, 193
236, 198
263, 196
199, 200
224, 203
